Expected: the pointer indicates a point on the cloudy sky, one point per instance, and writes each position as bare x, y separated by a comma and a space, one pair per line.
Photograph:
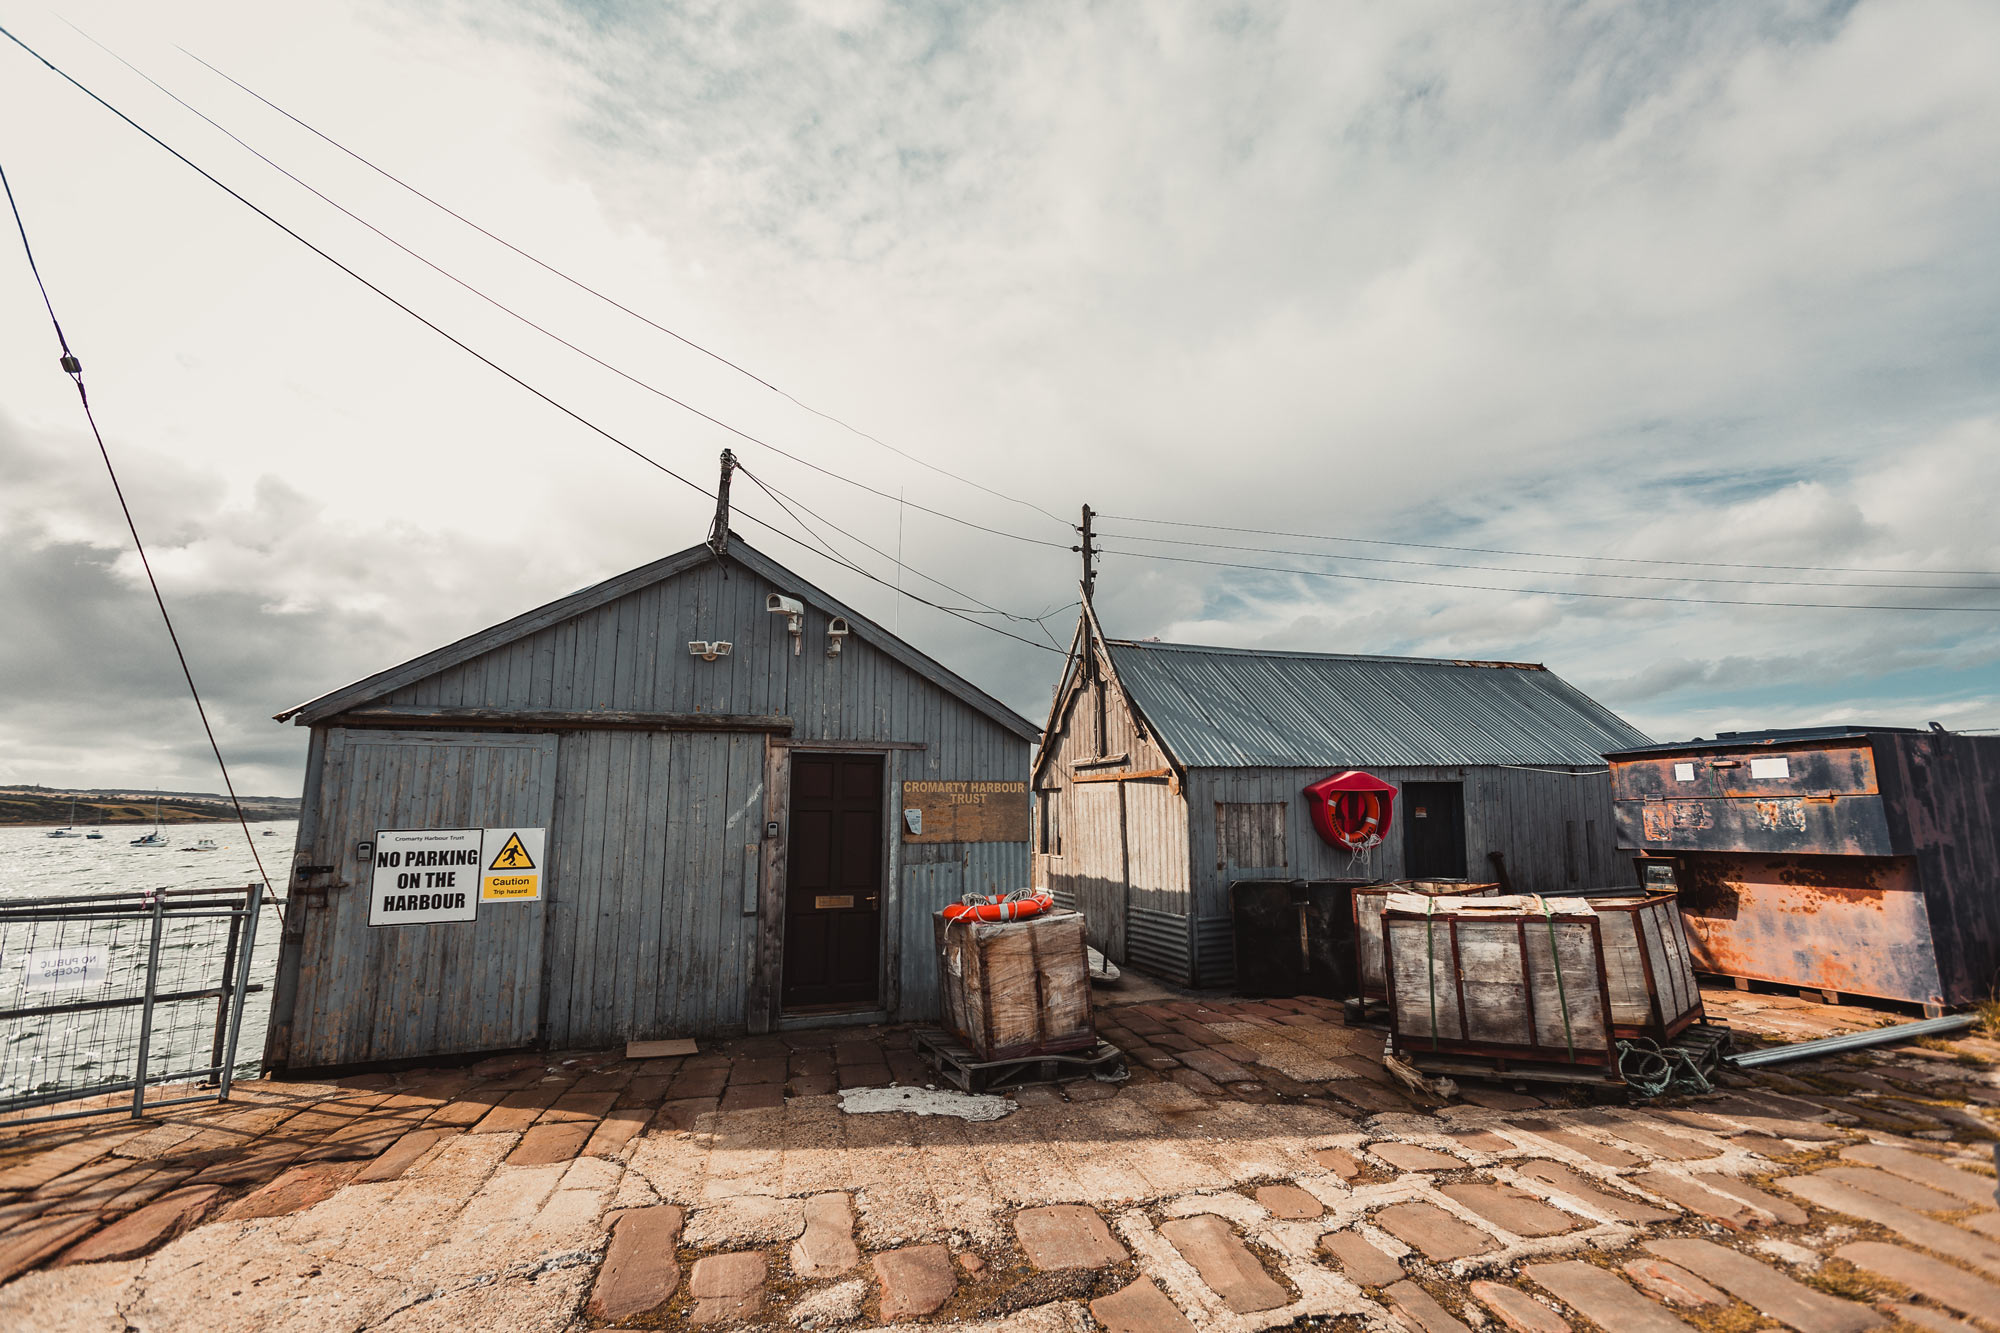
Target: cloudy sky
1636, 283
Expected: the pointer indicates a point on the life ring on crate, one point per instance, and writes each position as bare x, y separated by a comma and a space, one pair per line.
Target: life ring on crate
1351, 809
1000, 909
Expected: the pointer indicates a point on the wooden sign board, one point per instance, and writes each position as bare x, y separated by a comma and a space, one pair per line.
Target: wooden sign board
966, 811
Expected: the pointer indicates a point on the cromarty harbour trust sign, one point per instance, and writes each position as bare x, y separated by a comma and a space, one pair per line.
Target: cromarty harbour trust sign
970, 811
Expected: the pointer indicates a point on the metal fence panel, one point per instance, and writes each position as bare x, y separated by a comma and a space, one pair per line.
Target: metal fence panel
120, 993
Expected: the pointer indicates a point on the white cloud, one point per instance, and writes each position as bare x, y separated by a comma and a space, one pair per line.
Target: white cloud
1703, 283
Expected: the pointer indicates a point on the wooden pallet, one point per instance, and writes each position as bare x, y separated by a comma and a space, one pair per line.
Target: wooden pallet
1705, 1041
964, 1070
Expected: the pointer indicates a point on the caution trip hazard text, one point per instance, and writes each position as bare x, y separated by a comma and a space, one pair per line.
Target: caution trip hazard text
511, 865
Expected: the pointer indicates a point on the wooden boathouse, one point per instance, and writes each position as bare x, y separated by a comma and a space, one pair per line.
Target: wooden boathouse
1171, 772
702, 797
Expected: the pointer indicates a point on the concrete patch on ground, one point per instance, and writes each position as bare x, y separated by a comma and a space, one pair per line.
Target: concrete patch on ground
974, 1106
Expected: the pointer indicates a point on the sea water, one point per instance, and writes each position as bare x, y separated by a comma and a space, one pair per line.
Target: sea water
34, 865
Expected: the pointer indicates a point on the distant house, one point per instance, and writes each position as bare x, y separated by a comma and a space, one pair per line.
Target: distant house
1170, 771
739, 804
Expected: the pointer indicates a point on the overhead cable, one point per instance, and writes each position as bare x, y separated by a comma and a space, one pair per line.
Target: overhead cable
825, 548
790, 504
1538, 555
1559, 573
455, 341
614, 303
74, 369
1535, 592
542, 329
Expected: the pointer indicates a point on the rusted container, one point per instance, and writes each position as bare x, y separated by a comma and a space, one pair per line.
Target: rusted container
1013, 989
1860, 860
1505, 978
1648, 968
1367, 903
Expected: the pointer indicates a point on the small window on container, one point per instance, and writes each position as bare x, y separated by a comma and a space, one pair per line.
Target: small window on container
1779, 767
1683, 772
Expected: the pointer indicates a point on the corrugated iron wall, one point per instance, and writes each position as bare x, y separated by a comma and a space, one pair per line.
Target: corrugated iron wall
1554, 830
654, 837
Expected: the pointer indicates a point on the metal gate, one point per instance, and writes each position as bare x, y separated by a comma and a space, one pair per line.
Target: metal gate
116, 993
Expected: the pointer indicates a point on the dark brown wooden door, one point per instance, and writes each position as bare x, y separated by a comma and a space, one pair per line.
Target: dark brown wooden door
1433, 815
833, 893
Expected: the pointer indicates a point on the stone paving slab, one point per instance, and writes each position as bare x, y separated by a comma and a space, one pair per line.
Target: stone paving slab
1671, 1283
639, 1273
1517, 1310
1139, 1308
1225, 1264
1933, 1279
1059, 1236
1767, 1290
1433, 1231
915, 1281
1941, 1237
1972, 1190
1509, 1209
1419, 1310
1603, 1298
1616, 1206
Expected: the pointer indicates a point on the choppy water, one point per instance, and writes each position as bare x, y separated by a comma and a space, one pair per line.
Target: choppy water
48, 1051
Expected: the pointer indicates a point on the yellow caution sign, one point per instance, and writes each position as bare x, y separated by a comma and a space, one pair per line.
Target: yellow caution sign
511, 865
513, 856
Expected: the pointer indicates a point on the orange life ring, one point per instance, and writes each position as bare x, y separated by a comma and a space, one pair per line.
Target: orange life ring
1356, 817
1000, 909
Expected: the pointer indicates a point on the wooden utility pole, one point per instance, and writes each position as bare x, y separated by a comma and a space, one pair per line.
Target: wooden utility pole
1089, 551
718, 532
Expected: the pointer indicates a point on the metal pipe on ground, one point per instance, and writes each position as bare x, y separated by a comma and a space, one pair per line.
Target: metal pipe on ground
1853, 1041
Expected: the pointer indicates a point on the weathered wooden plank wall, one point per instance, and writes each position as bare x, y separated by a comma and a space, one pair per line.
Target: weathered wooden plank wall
1124, 843
655, 858
364, 993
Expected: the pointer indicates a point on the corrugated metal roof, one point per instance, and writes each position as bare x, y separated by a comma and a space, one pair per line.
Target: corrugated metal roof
1237, 708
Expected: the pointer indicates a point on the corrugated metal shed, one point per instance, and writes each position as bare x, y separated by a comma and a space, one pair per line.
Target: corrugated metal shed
1239, 708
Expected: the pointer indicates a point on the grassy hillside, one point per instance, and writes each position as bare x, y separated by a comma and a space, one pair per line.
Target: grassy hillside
94, 808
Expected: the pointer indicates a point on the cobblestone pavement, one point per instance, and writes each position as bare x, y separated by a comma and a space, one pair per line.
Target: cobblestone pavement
1257, 1170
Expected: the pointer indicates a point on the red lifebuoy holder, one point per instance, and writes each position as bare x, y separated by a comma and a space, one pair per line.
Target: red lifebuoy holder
1000, 909
1351, 809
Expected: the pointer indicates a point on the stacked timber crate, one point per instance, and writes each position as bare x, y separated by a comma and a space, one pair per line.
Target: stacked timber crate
1528, 986
1016, 1002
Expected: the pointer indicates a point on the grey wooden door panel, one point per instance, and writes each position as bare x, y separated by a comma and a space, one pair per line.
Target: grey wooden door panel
381, 993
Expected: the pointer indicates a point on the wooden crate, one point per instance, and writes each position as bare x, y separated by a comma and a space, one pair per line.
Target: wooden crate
1648, 966
1010, 989
1498, 978
1368, 900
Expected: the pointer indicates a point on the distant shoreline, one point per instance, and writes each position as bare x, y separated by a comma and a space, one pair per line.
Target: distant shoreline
51, 809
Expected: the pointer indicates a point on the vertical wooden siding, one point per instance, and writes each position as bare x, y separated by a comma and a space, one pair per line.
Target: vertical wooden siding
654, 855
1124, 843
381, 993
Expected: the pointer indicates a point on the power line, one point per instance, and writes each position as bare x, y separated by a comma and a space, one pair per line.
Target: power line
580, 285
463, 346
1538, 555
74, 369
826, 549
1539, 592
542, 329
1560, 573
787, 503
